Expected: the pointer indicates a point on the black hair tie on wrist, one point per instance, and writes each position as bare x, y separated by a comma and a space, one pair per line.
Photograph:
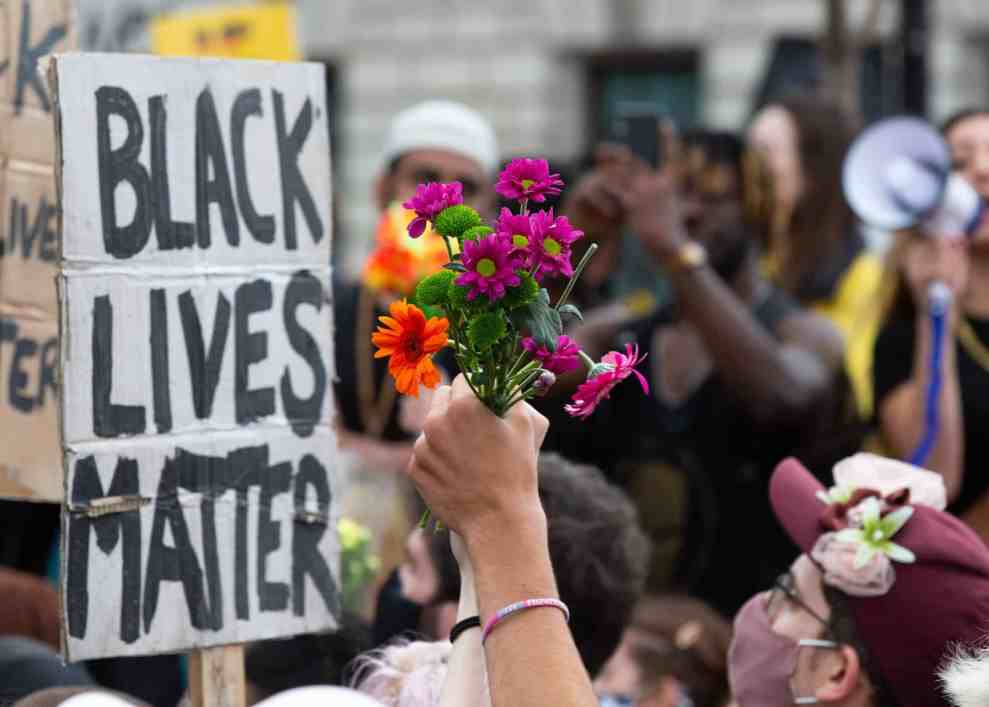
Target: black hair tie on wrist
461, 626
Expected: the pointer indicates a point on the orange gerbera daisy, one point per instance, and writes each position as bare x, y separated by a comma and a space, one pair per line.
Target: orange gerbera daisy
410, 340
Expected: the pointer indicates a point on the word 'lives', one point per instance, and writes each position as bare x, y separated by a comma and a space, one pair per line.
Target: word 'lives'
31, 234
205, 354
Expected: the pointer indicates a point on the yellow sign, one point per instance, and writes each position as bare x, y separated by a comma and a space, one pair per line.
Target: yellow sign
265, 31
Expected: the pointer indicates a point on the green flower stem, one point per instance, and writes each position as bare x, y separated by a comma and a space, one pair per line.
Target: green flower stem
588, 361
524, 389
461, 362
449, 250
492, 378
576, 275
523, 372
528, 395
519, 360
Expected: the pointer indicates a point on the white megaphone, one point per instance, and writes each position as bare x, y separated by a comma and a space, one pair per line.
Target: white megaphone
898, 174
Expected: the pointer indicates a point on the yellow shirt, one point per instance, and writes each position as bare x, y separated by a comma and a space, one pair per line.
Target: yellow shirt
854, 309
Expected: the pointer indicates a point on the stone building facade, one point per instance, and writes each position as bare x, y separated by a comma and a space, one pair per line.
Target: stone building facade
529, 65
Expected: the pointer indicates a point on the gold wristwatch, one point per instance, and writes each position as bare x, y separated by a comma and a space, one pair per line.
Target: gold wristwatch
689, 256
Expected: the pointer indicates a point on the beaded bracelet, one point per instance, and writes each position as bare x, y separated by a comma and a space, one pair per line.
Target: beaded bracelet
502, 614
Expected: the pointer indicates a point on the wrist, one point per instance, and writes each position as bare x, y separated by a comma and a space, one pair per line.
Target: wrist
688, 257
467, 606
486, 532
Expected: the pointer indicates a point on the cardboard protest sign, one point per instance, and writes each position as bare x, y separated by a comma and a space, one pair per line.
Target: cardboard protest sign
259, 31
196, 353
30, 456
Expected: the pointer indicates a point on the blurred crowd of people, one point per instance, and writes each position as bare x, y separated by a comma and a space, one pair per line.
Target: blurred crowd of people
781, 332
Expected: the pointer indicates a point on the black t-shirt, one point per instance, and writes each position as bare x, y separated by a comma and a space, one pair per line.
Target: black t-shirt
893, 365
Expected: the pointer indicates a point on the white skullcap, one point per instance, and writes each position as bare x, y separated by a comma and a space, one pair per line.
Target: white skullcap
95, 699
443, 125
320, 696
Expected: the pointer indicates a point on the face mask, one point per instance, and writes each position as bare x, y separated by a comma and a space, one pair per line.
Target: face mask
761, 661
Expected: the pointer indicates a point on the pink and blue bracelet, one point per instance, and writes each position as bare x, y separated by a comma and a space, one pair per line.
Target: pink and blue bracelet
518, 606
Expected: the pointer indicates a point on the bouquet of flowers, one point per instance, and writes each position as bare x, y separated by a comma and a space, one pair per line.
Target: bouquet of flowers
494, 311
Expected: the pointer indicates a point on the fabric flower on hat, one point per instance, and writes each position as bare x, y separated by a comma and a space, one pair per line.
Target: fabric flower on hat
490, 267
528, 179
889, 476
429, 200
839, 561
858, 559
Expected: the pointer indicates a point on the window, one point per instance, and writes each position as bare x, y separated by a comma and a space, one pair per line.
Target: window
670, 80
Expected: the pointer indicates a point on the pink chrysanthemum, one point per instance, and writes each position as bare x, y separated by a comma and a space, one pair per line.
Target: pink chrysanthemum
617, 367
490, 267
549, 247
429, 200
528, 179
517, 228
566, 358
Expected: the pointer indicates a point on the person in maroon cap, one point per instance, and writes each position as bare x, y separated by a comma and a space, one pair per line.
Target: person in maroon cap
888, 589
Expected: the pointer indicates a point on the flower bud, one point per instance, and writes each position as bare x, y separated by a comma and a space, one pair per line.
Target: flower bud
546, 380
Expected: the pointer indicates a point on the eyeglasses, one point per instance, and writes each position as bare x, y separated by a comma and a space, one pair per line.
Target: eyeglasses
784, 590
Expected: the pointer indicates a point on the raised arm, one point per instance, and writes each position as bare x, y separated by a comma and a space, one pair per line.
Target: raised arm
466, 678
780, 381
901, 412
477, 472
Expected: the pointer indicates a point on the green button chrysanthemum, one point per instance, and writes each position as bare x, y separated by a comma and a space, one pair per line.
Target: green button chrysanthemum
455, 220
486, 330
435, 289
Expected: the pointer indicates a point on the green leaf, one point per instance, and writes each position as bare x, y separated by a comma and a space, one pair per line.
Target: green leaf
571, 310
541, 320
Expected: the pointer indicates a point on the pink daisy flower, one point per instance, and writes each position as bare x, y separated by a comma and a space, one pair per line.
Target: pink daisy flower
617, 367
566, 358
517, 228
549, 248
429, 200
490, 267
528, 179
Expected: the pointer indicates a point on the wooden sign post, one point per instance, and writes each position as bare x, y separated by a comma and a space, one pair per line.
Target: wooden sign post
216, 677
30, 453
196, 356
